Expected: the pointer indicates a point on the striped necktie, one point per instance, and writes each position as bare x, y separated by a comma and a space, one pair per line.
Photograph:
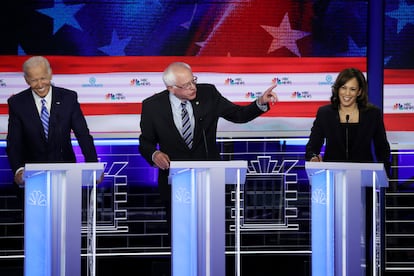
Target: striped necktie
186, 126
44, 117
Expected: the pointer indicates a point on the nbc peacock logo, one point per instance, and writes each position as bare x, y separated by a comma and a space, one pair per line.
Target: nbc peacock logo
301, 95
182, 195
235, 81
403, 106
115, 96
2, 83
140, 82
37, 198
282, 81
252, 95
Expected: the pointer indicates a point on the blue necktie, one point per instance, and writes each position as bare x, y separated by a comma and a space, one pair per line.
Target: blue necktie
186, 130
44, 117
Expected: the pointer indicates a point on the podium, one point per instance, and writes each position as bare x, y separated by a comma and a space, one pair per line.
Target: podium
338, 193
52, 219
198, 214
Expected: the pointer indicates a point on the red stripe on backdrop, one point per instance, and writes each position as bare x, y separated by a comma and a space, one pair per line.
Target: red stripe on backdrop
4, 109
280, 109
91, 109
399, 76
85, 65
294, 109
399, 122
393, 122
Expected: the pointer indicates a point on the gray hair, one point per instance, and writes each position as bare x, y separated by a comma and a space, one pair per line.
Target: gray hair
169, 77
36, 61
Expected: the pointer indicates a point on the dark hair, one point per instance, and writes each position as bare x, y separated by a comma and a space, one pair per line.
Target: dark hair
343, 77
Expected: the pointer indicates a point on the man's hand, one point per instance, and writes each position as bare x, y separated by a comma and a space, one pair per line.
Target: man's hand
100, 179
19, 178
268, 96
161, 160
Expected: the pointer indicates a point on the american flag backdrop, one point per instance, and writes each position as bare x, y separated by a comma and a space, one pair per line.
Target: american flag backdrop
244, 28
91, 39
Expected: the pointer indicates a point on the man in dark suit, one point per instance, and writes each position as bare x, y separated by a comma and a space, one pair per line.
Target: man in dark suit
27, 141
161, 140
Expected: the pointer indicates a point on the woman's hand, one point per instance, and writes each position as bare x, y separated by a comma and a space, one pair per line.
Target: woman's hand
316, 158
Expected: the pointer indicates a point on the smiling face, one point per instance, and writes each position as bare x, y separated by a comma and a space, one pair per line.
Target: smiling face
39, 78
348, 93
350, 89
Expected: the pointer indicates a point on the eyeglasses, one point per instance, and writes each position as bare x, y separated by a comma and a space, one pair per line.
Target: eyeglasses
187, 85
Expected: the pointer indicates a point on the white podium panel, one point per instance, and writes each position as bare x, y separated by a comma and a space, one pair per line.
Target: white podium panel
198, 214
338, 213
52, 224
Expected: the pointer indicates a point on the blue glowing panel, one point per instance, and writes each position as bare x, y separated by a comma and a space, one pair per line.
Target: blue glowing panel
322, 226
37, 244
113, 152
184, 247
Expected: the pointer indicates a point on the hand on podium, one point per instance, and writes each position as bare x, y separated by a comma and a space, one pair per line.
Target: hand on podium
316, 158
19, 178
161, 160
100, 179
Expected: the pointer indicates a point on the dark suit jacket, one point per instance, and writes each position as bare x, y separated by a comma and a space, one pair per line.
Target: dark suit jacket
158, 128
370, 131
26, 142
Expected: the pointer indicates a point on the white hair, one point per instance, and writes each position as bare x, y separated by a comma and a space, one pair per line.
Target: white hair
36, 61
169, 76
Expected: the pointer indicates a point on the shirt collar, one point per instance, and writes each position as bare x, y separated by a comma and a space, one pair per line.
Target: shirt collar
48, 97
176, 102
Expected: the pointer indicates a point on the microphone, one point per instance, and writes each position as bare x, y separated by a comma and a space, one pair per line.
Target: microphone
58, 132
347, 137
204, 136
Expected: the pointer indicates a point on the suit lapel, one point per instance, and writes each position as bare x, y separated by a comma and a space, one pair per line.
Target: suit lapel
55, 111
198, 120
359, 135
32, 106
338, 129
34, 113
168, 117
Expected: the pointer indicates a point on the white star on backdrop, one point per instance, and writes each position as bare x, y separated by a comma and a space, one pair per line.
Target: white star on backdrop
404, 15
186, 25
354, 50
284, 36
117, 46
63, 14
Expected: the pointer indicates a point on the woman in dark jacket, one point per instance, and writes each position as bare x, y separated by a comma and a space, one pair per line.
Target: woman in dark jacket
351, 128
353, 131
